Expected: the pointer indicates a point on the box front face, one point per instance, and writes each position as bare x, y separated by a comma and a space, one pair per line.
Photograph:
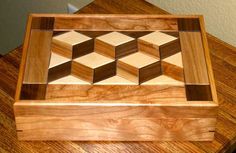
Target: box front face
74, 88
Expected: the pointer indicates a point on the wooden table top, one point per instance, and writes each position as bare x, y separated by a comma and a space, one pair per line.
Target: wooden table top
224, 65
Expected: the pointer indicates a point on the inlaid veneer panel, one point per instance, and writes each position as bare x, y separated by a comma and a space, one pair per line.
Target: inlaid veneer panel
138, 67
72, 44
116, 22
115, 45
116, 93
93, 67
159, 44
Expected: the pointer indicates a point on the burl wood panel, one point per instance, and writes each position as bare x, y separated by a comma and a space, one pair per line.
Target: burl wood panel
115, 23
116, 93
151, 129
38, 56
148, 123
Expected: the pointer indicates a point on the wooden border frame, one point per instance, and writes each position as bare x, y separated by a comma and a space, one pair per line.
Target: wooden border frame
201, 117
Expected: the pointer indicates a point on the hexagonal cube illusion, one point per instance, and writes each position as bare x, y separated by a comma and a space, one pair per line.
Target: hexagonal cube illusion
72, 44
159, 44
115, 56
115, 45
93, 67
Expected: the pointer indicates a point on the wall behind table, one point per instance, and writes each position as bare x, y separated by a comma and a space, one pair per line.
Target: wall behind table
14, 13
220, 15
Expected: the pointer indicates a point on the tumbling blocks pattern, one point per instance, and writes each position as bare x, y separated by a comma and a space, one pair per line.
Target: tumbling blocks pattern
115, 54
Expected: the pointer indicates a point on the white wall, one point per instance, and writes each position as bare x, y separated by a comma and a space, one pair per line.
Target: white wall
14, 13
220, 15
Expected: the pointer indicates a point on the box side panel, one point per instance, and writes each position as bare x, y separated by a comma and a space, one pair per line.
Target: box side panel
116, 123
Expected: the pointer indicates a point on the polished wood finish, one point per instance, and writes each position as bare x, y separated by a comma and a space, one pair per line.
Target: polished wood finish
138, 67
222, 56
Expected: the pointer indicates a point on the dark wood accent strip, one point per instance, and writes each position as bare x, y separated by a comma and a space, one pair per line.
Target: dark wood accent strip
189, 24
104, 72
198, 92
43, 23
33, 91
59, 71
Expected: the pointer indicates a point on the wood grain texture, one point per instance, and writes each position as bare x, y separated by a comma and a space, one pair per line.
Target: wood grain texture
222, 56
151, 129
111, 23
37, 61
195, 69
116, 93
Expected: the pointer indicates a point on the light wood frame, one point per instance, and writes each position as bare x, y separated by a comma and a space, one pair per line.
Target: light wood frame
159, 120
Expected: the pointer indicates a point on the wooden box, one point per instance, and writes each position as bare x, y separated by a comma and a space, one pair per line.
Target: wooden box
115, 78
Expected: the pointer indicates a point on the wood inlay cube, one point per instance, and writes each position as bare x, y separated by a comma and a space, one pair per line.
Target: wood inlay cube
72, 44
93, 67
159, 44
138, 67
115, 45
172, 66
59, 67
